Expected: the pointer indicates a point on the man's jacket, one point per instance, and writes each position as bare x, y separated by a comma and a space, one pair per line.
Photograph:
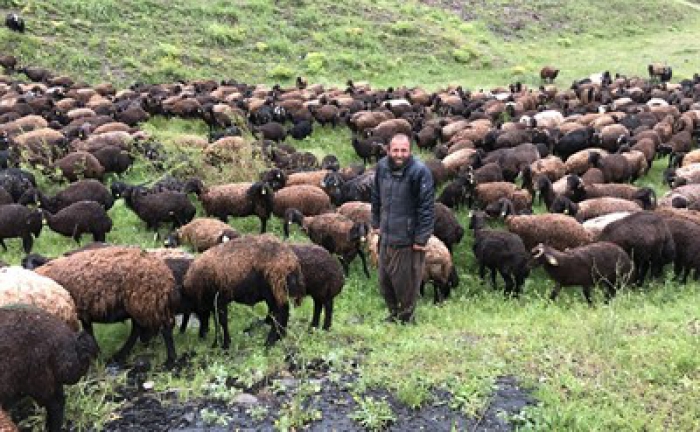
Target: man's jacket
403, 206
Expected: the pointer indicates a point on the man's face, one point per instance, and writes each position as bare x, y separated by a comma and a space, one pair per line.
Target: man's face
399, 151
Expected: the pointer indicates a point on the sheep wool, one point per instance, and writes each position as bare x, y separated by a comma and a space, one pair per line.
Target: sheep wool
20, 286
111, 279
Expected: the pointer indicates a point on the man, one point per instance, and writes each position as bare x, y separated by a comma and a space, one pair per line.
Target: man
403, 213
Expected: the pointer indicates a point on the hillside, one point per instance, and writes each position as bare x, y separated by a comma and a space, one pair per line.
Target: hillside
430, 42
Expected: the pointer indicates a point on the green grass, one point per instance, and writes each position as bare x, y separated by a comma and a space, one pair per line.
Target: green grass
384, 41
629, 365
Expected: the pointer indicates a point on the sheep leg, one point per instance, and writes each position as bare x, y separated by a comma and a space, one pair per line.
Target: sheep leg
203, 318
128, 345
482, 271
222, 311
364, 262
493, 278
555, 291
508, 279
263, 226
27, 243
587, 294
99, 236
641, 275
279, 326
4, 246
686, 273
185, 321
346, 270
316, 318
328, 314
167, 333
55, 410
609, 291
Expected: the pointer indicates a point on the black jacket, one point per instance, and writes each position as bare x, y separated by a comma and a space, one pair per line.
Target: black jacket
403, 205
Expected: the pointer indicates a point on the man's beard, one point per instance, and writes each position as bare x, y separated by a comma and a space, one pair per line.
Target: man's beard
394, 165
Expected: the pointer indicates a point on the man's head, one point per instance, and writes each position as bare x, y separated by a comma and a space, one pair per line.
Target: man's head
399, 150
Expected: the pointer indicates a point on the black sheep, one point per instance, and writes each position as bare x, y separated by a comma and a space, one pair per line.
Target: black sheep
646, 238
15, 22
41, 354
83, 190
17, 182
323, 280
17, 221
500, 251
113, 159
80, 218
270, 131
301, 130
447, 227
162, 207
455, 194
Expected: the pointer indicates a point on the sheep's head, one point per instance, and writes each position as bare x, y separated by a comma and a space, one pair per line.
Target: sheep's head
542, 253
173, 239
291, 216
359, 232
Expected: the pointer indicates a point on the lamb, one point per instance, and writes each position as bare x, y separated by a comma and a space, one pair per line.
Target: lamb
456, 193
111, 284
594, 207
357, 211
489, 193
549, 74
388, 128
80, 164
323, 280
41, 355
20, 286
83, 190
556, 230
201, 234
80, 218
272, 131
598, 263
334, 232
113, 159
247, 270
239, 200
615, 167
645, 236
17, 221
447, 227
661, 72
499, 250
301, 130
15, 22
310, 178
310, 200
41, 146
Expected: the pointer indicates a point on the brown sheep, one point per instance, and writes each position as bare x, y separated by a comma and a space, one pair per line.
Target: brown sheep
80, 164
239, 200
549, 74
556, 230
489, 193
248, 270
201, 234
310, 200
112, 284
310, 178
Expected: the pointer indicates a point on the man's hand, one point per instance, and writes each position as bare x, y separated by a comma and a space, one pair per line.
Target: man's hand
375, 231
417, 247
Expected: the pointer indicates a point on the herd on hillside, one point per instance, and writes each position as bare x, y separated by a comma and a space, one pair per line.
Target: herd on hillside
496, 152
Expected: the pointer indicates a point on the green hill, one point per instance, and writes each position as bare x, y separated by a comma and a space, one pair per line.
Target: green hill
386, 41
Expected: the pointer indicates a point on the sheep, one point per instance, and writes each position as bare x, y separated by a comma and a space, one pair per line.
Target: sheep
447, 227
596, 225
80, 218
355, 189
573, 142
83, 190
685, 234
201, 234
334, 232
645, 236
593, 207
113, 159
8, 62
311, 178
247, 270
15, 22
578, 190
301, 130
549, 74
556, 230
437, 170
272, 131
40, 146
615, 167
489, 193
24, 124
499, 250
455, 161
80, 164
357, 211
310, 200
111, 284
579, 162
17, 221
439, 266
20, 286
41, 354
239, 200
388, 128
597, 263
368, 149
323, 280
660, 72
161, 207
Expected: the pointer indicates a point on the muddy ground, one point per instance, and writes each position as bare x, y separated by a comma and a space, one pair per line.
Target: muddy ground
333, 400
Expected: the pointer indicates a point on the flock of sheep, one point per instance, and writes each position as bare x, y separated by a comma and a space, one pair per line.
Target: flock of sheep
575, 149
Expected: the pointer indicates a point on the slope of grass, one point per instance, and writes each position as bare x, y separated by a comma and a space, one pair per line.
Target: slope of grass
432, 43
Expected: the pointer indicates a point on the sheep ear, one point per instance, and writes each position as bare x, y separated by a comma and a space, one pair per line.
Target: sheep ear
552, 261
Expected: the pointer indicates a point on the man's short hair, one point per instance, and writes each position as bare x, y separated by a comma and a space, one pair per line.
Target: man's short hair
400, 137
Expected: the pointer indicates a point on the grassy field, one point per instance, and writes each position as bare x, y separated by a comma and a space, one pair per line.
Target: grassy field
628, 365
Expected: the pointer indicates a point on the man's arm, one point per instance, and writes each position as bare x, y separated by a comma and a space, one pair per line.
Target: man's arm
376, 201
426, 207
